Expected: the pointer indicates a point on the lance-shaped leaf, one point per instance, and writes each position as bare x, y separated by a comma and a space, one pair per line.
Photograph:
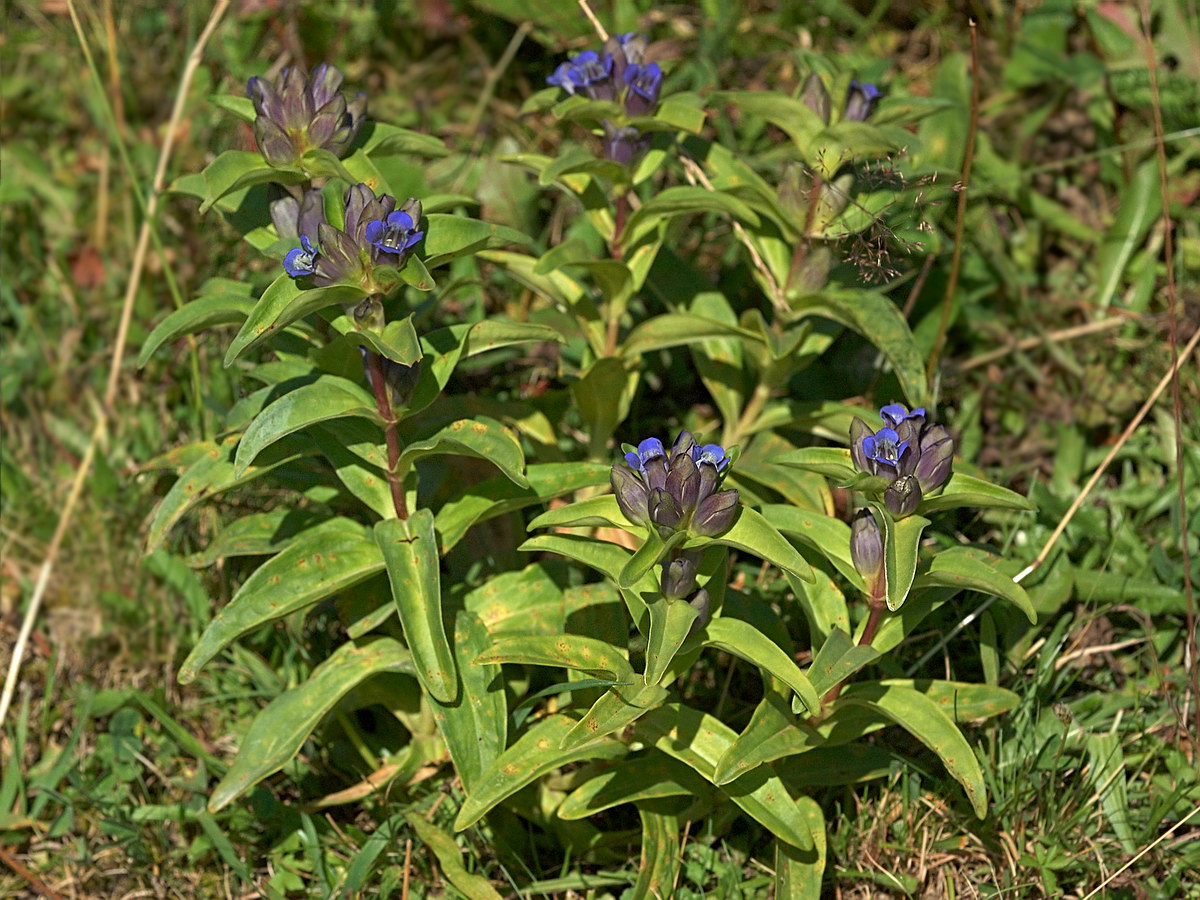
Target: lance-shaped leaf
616, 708
650, 776
653, 550
754, 534
366, 482
280, 729
772, 733
676, 329
798, 873
791, 115
534, 754
601, 511
924, 719
449, 237
238, 104
901, 544
262, 534
964, 567
281, 304
314, 566
237, 169
828, 536
838, 659
449, 856
967, 490
381, 139
658, 866
746, 642
683, 200
409, 549
330, 397
481, 437
205, 312
497, 496
700, 740
833, 462
569, 651
475, 725
670, 623
607, 559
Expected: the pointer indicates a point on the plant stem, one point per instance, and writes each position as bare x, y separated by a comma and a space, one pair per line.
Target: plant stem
750, 414
391, 431
873, 619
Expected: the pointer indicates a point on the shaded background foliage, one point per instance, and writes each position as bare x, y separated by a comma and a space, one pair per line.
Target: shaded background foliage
1060, 326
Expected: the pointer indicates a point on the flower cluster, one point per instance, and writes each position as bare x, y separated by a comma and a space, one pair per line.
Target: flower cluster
861, 98
374, 232
619, 74
676, 490
301, 112
914, 458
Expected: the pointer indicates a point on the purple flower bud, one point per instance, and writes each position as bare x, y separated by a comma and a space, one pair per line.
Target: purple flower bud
632, 495
679, 578
285, 213
650, 448
622, 145
715, 513
903, 496
859, 432
816, 97
299, 113
895, 413
866, 550
683, 483
665, 512
340, 260
702, 604
936, 458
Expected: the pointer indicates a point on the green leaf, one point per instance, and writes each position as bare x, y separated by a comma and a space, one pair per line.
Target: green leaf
568, 651
499, 495
798, 873
670, 623
680, 201
924, 719
653, 549
963, 567
280, 729
967, 490
481, 437
535, 753
603, 395
651, 776
523, 709
398, 341
390, 140
875, 317
366, 482
241, 106
833, 462
772, 733
259, 534
823, 604
316, 565
792, 116
1106, 771
198, 315
330, 397
700, 740
828, 536
746, 642
754, 534
618, 707
1141, 207
448, 237
838, 659
449, 857
236, 169
281, 304
676, 329
658, 866
601, 511
409, 551
607, 559
475, 724
901, 544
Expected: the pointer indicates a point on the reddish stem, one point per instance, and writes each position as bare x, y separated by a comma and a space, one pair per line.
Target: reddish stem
868, 635
383, 403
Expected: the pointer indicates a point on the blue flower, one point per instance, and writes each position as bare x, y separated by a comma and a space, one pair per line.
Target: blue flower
860, 101
884, 446
645, 84
713, 454
588, 73
895, 413
395, 234
649, 449
301, 260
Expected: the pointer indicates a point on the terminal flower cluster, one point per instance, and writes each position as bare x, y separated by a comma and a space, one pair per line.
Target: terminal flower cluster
912, 456
299, 112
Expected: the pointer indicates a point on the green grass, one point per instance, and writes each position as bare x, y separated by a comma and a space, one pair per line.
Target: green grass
109, 762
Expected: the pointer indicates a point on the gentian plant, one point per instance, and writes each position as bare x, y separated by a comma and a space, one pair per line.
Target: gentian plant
635, 574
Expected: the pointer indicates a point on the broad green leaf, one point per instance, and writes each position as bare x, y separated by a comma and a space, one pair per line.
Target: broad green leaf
679, 201
1106, 772
390, 140
600, 511
330, 397
650, 776
607, 559
448, 237
526, 601
925, 720
475, 724
397, 341
449, 857
615, 709
316, 565
534, 754
838, 659
670, 623
677, 329
901, 544
235, 169
653, 550
499, 495
523, 709
409, 550
967, 490
658, 866
603, 394
828, 536
281, 304
568, 651
746, 642
262, 534
700, 740
963, 567
793, 116
1141, 207
833, 462
875, 317
241, 106
772, 733
481, 437
798, 873
366, 482
280, 729
754, 534
198, 315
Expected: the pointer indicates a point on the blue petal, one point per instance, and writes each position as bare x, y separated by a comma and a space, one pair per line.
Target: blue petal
650, 448
711, 453
413, 239
633, 461
401, 219
894, 413
374, 231
298, 262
